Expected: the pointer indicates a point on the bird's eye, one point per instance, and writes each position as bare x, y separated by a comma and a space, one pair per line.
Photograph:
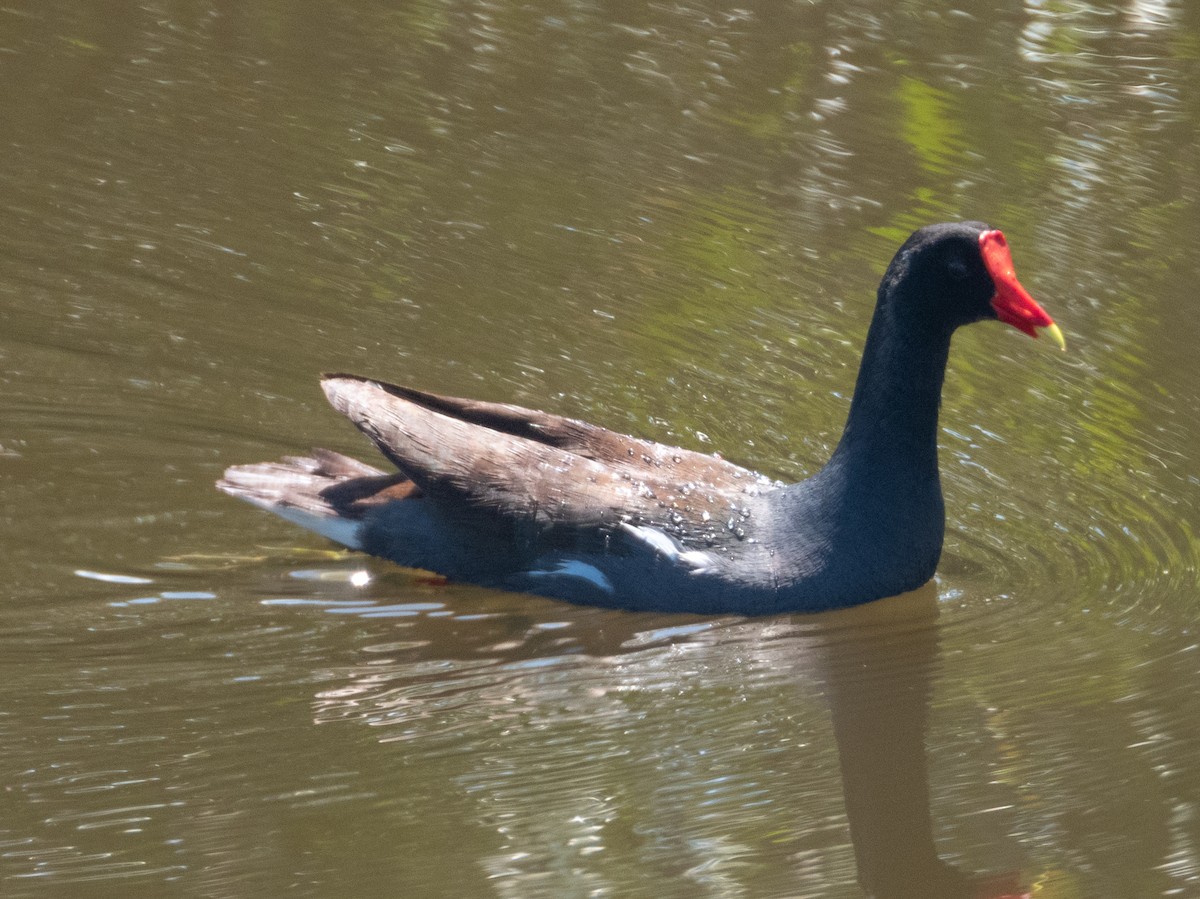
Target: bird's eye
958, 267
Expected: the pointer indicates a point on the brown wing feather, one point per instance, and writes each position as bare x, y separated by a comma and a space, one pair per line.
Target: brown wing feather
542, 468
575, 436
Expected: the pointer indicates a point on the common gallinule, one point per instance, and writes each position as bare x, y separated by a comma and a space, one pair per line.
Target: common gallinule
507, 497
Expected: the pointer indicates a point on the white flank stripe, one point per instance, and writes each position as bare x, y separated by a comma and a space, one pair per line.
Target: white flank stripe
581, 570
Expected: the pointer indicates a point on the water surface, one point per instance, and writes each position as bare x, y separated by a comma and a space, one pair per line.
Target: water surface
669, 220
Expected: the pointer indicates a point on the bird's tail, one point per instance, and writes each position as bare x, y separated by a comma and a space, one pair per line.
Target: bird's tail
326, 492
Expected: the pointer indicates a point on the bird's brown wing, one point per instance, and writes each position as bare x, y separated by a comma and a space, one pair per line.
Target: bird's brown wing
523, 465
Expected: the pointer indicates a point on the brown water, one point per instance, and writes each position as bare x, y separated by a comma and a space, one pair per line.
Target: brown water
670, 220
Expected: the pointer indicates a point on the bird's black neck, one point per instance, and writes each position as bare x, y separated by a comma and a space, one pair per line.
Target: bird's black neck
892, 429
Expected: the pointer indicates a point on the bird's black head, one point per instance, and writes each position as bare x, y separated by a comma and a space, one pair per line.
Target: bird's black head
950, 275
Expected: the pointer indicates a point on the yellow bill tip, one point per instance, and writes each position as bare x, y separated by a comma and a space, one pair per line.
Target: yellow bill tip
1055, 334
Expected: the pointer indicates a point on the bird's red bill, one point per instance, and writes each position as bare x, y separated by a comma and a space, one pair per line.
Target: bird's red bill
1013, 304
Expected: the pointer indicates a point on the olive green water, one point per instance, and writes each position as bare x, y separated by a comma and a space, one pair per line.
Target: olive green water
668, 219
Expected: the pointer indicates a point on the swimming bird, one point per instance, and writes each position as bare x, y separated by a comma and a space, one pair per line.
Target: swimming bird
512, 498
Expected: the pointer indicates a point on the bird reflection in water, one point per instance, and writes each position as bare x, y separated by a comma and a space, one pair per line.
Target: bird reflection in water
875, 664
